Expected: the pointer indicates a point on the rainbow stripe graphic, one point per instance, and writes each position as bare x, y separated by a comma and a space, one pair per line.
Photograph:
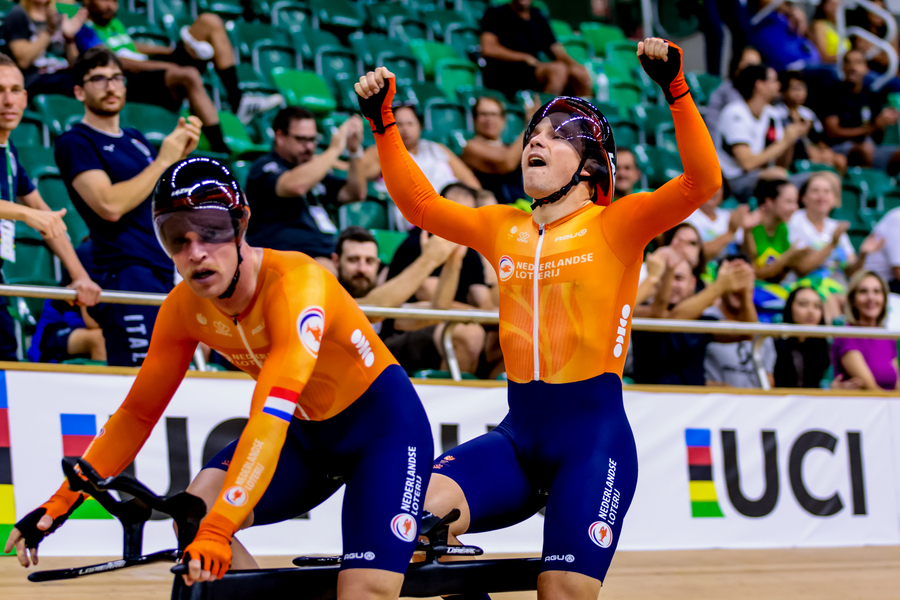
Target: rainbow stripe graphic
7, 499
704, 502
77, 433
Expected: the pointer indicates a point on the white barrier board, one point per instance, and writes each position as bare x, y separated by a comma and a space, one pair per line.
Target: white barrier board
785, 471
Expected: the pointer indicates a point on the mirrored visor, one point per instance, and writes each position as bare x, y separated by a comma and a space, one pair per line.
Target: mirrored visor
212, 225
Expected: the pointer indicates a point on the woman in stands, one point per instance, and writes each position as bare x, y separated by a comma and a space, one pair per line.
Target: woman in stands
802, 362
568, 276
872, 362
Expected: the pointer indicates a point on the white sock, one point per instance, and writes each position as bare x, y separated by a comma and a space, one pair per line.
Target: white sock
204, 50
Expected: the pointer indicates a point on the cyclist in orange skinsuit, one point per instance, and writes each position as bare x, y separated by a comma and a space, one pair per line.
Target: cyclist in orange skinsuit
329, 398
568, 278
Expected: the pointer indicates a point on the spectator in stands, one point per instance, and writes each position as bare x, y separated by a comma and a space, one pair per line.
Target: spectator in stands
830, 260
885, 262
677, 358
802, 362
628, 174
65, 331
726, 93
792, 109
42, 42
496, 165
459, 284
685, 239
514, 36
781, 37
721, 231
856, 117
750, 134
439, 165
418, 346
24, 203
110, 172
768, 244
203, 41
876, 25
872, 362
291, 189
823, 32
730, 363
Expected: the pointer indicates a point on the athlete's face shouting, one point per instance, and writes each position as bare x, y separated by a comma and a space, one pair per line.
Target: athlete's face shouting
207, 267
548, 161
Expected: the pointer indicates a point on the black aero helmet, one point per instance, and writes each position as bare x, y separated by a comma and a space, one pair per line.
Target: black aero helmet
200, 195
584, 126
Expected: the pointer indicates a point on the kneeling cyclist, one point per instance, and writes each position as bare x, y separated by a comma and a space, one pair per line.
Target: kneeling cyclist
568, 278
329, 398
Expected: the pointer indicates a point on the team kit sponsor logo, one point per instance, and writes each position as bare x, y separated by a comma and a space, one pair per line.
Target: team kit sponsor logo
704, 498
560, 557
235, 496
359, 556
311, 328
622, 331
404, 524
508, 269
358, 339
600, 531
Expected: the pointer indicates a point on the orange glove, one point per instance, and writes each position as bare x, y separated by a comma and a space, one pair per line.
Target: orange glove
212, 546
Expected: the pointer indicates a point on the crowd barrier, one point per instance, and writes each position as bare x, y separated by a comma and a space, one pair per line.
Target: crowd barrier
742, 469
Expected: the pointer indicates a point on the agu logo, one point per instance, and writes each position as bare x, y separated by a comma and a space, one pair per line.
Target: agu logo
506, 268
404, 527
601, 534
310, 328
235, 496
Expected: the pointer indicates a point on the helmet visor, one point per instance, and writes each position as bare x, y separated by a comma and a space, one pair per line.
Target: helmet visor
210, 225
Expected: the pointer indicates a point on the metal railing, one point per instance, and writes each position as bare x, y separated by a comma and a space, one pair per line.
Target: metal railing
757, 331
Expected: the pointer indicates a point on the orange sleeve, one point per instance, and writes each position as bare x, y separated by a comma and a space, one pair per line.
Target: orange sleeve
287, 369
422, 206
119, 441
631, 222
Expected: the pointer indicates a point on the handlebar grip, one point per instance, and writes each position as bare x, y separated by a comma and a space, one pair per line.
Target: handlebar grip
180, 569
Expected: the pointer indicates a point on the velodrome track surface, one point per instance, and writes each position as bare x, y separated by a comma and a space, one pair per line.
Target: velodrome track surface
866, 573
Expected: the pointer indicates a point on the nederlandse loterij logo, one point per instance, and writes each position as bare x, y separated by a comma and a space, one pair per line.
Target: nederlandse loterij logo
704, 502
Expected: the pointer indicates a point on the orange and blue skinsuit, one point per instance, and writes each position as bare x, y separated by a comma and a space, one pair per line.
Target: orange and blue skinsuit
329, 397
567, 291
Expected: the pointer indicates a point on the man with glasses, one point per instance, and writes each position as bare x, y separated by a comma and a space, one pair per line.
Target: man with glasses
291, 188
110, 172
495, 164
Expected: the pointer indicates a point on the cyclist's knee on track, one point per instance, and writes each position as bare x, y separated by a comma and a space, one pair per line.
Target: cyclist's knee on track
368, 584
442, 496
567, 585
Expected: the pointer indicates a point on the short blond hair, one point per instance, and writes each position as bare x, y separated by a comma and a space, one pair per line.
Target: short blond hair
851, 312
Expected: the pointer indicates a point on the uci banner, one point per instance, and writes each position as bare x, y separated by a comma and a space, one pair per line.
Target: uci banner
716, 470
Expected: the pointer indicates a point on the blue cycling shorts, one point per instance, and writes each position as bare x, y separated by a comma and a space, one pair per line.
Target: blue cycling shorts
381, 447
564, 447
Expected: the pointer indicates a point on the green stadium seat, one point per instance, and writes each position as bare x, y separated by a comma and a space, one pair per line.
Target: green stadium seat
442, 118
702, 85
515, 124
251, 80
577, 48
436, 374
468, 96
290, 15
308, 41
28, 133
34, 265
890, 200
851, 198
367, 46
53, 191
388, 242
240, 169
26, 233
624, 132
857, 236
472, 9
58, 113
170, 15
807, 166
561, 29
873, 183
657, 165
665, 137
155, 122
337, 63
610, 110
237, 138
407, 29
439, 20
381, 13
453, 74
599, 35
338, 13
422, 93
245, 37
464, 39
304, 88
624, 93
623, 53
406, 68
38, 161
429, 53
229, 10
649, 117
368, 214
